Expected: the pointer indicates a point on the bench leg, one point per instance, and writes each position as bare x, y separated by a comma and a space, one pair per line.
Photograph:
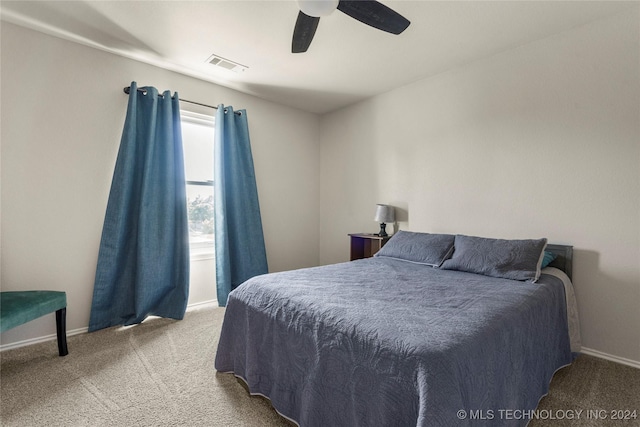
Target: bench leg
61, 330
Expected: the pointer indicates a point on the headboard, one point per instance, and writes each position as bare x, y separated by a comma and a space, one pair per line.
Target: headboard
564, 259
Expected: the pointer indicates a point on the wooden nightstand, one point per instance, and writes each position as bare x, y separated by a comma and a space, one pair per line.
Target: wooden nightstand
365, 245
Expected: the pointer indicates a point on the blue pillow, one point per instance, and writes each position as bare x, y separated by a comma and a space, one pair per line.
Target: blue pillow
548, 258
421, 248
508, 259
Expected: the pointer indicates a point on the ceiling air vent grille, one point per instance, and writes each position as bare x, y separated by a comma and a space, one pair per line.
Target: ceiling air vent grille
219, 61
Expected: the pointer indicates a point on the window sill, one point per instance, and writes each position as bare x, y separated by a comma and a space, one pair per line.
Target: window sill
201, 255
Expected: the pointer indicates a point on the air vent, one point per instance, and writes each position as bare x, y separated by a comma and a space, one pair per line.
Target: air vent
219, 61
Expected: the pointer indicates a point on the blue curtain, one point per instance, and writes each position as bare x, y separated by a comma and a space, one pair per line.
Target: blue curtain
143, 261
240, 249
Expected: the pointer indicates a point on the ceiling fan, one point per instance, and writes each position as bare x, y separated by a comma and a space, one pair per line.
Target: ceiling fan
370, 12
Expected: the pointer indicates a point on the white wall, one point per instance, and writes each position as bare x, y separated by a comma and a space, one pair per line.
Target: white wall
539, 141
62, 115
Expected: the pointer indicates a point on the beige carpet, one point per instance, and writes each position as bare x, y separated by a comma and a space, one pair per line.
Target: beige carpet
161, 373
602, 390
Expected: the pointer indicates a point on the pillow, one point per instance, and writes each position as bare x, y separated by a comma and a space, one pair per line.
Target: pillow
548, 258
421, 248
508, 259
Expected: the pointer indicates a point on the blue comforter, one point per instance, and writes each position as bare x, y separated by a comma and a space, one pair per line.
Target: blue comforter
383, 342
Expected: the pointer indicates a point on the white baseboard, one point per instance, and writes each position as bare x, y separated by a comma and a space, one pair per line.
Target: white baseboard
612, 358
36, 340
203, 304
52, 337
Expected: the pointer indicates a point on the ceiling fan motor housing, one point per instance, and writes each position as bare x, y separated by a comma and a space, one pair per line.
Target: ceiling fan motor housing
318, 8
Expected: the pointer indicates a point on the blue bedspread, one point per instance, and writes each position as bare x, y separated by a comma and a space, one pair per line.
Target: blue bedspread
383, 342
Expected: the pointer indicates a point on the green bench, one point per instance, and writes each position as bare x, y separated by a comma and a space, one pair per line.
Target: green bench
21, 307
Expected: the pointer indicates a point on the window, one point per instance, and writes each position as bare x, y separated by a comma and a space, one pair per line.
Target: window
197, 141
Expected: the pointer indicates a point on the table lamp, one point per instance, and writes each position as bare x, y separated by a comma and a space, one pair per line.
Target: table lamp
384, 214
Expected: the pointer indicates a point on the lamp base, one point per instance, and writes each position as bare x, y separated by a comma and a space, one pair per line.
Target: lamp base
383, 232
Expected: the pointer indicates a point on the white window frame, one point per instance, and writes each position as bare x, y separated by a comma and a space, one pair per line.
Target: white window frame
199, 251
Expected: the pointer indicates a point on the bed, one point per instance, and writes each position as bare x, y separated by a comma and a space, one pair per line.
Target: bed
435, 330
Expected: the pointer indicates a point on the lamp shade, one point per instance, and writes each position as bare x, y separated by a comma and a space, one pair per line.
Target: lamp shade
385, 213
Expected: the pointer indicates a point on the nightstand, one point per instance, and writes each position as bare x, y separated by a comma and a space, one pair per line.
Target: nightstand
365, 245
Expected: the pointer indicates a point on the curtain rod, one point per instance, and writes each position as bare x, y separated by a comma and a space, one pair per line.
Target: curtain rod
127, 90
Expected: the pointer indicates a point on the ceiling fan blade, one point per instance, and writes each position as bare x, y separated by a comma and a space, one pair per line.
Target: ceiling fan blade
303, 32
375, 14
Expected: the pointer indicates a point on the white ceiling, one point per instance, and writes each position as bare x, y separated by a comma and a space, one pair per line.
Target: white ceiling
347, 61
